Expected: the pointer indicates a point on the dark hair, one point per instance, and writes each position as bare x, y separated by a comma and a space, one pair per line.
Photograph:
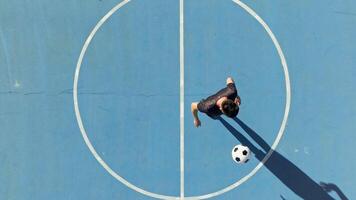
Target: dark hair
230, 108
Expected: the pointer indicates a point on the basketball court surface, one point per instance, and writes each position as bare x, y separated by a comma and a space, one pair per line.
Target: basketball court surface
95, 99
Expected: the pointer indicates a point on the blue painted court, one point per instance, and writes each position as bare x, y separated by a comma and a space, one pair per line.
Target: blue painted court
95, 99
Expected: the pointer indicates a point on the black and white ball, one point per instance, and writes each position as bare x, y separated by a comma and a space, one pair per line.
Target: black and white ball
241, 154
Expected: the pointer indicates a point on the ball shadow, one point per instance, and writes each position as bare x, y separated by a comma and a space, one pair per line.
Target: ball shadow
288, 173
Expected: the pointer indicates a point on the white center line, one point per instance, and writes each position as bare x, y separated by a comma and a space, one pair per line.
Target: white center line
181, 45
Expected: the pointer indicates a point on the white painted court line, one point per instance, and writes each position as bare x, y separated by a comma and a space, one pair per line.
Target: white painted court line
286, 111
181, 47
159, 196
79, 118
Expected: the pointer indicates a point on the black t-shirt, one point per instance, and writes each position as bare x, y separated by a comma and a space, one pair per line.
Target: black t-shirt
209, 106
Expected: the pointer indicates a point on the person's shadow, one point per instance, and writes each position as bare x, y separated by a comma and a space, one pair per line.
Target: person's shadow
288, 173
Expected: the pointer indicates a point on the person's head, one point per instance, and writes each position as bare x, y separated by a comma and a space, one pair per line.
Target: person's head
229, 108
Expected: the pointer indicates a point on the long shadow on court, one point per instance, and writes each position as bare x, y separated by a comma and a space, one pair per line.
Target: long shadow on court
288, 173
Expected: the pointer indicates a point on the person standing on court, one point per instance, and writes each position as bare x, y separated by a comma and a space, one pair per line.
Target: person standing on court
226, 101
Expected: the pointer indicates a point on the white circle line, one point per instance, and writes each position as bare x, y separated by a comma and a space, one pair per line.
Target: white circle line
286, 112
79, 119
159, 196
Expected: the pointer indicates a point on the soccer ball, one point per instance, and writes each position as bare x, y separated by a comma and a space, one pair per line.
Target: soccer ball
241, 154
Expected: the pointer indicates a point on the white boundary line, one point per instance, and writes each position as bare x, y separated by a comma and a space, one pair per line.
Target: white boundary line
159, 196
181, 53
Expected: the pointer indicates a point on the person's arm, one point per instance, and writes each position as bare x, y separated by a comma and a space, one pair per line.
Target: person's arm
238, 100
194, 109
229, 80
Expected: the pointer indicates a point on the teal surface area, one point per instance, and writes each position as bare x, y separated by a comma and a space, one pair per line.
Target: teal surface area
129, 98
